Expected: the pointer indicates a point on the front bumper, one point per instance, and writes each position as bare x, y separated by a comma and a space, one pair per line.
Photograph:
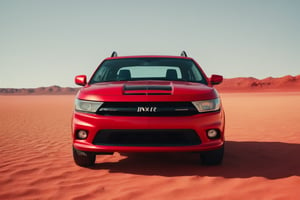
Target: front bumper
199, 123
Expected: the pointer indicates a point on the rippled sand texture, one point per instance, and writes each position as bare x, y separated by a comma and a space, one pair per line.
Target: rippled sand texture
261, 157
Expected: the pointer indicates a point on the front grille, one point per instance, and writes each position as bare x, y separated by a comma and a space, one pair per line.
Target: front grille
136, 137
147, 109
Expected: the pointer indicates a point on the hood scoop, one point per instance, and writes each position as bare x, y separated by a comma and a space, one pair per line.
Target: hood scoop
147, 90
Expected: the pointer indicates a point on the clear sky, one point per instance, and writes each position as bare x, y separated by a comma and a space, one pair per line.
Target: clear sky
44, 43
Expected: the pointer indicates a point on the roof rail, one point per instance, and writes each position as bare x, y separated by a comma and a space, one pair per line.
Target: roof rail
114, 54
183, 54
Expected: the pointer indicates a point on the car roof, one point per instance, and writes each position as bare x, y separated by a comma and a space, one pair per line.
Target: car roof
147, 56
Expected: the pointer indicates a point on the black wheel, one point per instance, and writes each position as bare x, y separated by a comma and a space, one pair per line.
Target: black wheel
214, 157
83, 159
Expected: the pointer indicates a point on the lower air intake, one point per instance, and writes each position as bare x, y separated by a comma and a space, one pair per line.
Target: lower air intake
176, 137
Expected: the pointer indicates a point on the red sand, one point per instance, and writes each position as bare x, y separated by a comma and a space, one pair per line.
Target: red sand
261, 157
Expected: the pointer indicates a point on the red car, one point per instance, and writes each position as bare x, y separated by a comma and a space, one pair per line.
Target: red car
148, 104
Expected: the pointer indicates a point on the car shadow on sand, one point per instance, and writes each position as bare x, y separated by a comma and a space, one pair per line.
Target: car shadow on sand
271, 160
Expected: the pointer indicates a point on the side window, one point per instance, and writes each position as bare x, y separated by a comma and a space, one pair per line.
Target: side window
104, 73
100, 75
196, 75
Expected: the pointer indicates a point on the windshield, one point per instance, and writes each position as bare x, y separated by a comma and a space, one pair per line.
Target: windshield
136, 69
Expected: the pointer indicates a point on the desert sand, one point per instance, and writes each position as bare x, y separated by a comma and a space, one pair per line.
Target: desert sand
261, 157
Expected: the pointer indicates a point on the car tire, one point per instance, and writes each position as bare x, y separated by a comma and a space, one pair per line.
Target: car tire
214, 157
83, 159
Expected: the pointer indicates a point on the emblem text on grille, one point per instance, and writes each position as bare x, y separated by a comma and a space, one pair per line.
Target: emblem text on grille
146, 109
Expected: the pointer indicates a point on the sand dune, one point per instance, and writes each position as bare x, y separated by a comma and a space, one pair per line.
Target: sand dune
38, 91
270, 84
261, 156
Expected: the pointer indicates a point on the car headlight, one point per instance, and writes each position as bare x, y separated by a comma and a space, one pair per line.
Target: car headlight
207, 105
87, 106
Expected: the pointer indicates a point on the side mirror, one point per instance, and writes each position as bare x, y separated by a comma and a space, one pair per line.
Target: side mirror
216, 79
80, 80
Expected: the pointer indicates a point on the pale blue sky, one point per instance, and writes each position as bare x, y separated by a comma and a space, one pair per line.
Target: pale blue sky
45, 43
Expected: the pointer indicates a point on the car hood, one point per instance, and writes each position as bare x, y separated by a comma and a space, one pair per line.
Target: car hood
141, 91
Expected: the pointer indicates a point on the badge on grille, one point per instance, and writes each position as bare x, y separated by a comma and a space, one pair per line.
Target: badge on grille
146, 109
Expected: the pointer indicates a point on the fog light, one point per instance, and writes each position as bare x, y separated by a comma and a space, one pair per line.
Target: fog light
212, 133
82, 134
